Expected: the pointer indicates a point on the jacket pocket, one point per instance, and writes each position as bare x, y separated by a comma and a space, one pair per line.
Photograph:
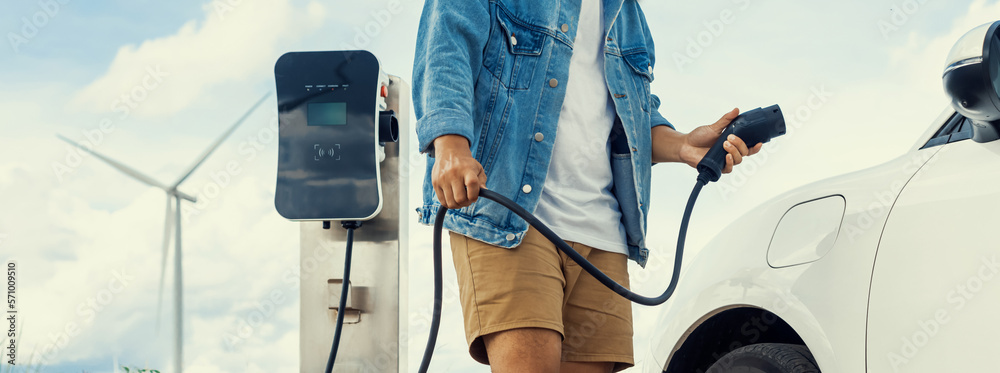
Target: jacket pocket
513, 51
642, 70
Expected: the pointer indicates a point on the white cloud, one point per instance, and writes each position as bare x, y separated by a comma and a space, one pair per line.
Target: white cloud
233, 42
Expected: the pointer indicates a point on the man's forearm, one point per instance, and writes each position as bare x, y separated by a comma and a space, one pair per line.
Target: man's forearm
453, 144
666, 144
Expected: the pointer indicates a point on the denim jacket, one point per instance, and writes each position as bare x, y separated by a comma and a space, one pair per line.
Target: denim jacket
494, 71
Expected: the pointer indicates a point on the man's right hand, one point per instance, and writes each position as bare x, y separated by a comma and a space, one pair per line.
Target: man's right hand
456, 176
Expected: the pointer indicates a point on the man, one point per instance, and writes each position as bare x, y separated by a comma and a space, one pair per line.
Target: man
548, 100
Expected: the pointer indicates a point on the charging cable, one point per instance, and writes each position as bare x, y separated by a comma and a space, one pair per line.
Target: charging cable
562, 246
755, 126
344, 288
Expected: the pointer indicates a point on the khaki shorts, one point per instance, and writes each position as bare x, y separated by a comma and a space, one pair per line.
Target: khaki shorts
534, 285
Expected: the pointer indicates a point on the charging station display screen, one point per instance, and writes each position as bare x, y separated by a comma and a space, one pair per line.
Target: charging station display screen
327, 114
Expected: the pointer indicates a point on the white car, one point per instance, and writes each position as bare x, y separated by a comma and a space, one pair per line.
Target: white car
889, 269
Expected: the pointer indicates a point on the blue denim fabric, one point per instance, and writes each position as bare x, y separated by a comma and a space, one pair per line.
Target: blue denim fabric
485, 70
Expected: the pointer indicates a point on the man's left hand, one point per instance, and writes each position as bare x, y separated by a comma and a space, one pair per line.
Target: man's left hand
700, 140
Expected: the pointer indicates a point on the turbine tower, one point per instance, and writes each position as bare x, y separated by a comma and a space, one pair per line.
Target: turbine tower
172, 221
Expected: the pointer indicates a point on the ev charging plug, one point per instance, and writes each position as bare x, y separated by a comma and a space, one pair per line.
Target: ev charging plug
755, 126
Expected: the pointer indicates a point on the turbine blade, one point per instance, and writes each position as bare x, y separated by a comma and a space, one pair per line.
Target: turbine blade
118, 165
185, 196
167, 227
219, 141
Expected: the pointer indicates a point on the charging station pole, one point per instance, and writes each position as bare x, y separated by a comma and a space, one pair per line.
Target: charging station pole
375, 321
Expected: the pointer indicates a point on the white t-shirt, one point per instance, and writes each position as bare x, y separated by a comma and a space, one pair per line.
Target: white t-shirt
576, 200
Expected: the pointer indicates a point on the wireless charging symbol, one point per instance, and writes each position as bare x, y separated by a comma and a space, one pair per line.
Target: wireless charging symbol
331, 152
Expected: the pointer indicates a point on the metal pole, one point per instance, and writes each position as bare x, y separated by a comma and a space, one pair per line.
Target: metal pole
178, 293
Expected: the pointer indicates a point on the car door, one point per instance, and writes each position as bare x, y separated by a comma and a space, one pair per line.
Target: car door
935, 289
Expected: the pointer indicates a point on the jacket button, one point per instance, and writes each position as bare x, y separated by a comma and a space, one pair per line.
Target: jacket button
553, 83
539, 137
513, 40
565, 28
526, 189
510, 237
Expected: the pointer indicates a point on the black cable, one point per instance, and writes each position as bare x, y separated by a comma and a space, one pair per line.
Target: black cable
438, 290
344, 288
564, 247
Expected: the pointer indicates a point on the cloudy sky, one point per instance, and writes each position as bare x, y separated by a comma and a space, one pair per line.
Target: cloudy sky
859, 81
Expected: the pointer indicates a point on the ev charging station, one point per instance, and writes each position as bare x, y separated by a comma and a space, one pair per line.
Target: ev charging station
343, 141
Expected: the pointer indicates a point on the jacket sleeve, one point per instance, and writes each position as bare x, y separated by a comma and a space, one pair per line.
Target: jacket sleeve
655, 118
451, 38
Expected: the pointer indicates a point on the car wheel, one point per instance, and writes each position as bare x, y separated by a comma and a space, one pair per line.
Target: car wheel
767, 358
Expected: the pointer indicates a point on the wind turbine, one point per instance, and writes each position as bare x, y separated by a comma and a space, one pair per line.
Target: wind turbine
174, 196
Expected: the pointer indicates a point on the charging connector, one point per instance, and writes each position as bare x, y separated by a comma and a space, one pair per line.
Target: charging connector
755, 126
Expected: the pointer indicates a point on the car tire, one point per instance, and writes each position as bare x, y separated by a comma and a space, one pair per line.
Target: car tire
767, 358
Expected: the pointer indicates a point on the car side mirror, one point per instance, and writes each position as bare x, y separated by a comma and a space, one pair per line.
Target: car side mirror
972, 80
